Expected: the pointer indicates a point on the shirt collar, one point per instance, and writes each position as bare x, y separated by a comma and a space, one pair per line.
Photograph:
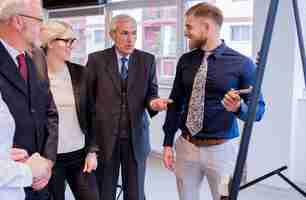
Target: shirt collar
219, 50
11, 50
119, 56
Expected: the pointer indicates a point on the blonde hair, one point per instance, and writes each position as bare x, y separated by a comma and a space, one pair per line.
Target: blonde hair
53, 29
122, 17
206, 10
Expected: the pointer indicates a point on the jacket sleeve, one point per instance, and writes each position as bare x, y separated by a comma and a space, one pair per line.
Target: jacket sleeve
152, 92
50, 148
91, 144
88, 104
51, 129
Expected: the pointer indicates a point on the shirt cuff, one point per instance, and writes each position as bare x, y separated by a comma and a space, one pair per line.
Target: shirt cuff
27, 174
242, 110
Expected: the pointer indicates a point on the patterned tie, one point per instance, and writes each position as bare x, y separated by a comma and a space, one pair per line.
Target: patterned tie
22, 66
124, 70
195, 116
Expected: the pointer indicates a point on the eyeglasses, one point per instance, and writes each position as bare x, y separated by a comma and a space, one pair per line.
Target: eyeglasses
32, 17
69, 42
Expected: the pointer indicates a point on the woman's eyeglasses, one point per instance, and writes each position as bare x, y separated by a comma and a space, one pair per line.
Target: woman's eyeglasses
69, 42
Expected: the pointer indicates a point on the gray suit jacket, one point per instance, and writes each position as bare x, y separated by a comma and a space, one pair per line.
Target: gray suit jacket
104, 90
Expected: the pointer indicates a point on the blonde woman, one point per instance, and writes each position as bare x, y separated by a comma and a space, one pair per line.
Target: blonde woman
76, 158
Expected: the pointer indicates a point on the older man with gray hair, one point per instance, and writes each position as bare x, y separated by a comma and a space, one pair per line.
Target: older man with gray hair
28, 97
122, 89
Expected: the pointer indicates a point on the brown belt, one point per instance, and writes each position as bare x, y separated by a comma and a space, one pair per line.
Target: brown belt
203, 142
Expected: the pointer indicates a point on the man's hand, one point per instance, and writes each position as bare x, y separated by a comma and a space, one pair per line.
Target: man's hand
91, 162
160, 104
42, 181
39, 165
19, 155
231, 101
168, 158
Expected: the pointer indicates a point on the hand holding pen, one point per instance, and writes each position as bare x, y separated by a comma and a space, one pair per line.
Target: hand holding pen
232, 100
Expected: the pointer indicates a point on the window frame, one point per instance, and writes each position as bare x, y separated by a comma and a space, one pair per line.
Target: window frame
240, 26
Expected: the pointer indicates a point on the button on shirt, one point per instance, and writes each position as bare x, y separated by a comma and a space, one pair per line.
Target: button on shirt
227, 69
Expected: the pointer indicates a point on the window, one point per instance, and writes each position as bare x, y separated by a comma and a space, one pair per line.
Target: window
240, 33
237, 26
157, 34
90, 35
98, 35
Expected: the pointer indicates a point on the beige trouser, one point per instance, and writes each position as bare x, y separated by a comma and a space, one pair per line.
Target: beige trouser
194, 163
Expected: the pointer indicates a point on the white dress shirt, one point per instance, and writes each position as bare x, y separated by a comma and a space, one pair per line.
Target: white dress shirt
12, 51
13, 175
119, 56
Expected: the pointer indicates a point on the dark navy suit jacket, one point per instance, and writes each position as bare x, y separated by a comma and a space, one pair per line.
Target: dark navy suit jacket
31, 105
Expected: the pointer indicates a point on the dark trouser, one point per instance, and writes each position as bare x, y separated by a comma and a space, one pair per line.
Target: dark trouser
36, 195
69, 167
132, 174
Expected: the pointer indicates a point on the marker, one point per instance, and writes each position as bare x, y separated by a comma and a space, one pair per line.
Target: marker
245, 91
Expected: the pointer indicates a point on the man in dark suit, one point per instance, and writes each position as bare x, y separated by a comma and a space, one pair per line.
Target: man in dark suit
28, 97
122, 89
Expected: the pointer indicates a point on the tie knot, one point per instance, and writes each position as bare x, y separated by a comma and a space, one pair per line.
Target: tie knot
207, 54
21, 57
124, 60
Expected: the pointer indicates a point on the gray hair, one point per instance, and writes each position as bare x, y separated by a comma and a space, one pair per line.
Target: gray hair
11, 8
122, 17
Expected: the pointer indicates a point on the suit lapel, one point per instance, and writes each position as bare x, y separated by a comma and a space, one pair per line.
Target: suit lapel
134, 68
112, 68
9, 70
76, 85
32, 80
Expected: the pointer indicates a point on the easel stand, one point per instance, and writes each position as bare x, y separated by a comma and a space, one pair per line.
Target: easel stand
247, 130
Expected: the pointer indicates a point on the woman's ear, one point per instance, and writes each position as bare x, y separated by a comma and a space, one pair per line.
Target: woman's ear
50, 44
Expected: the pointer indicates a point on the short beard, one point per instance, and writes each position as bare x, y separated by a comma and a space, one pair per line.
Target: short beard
196, 44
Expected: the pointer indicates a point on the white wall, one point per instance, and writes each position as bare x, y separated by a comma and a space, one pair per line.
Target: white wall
236, 9
244, 47
298, 158
275, 139
279, 139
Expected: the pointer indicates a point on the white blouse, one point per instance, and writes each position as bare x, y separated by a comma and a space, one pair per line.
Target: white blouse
13, 175
70, 136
